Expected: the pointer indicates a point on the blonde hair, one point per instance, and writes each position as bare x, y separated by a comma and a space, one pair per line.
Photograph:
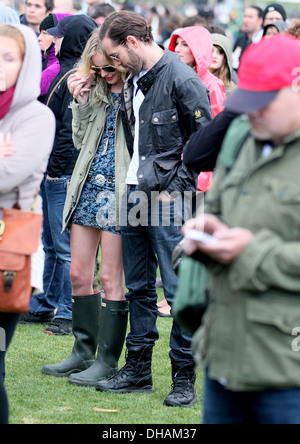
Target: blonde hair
92, 47
294, 28
15, 34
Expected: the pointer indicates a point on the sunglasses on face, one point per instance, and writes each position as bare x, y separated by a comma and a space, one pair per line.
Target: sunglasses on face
98, 69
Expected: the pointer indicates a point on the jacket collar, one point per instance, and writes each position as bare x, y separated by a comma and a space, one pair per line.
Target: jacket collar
145, 82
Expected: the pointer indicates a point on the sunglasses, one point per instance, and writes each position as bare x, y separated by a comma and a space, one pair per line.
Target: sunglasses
98, 69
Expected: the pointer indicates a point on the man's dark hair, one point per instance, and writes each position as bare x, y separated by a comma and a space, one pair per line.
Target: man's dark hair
49, 5
260, 12
101, 10
196, 20
215, 29
119, 25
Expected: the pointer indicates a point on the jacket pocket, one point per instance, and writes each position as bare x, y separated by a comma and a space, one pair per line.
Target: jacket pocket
165, 171
268, 357
284, 207
166, 132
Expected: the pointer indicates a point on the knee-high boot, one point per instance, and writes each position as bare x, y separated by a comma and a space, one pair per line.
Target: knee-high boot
85, 325
112, 331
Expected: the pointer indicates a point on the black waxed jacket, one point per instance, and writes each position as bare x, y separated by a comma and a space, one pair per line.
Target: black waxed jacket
176, 105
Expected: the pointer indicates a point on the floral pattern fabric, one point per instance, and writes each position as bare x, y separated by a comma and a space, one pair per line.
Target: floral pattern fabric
97, 204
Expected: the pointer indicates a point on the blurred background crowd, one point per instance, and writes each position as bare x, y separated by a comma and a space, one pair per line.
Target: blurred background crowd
166, 17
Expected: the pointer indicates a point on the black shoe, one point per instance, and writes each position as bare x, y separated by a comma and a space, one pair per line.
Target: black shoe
183, 393
135, 376
32, 318
60, 327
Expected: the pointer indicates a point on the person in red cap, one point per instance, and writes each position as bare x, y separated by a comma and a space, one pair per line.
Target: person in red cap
250, 338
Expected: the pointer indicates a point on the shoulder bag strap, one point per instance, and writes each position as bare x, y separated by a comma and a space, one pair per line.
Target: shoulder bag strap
58, 83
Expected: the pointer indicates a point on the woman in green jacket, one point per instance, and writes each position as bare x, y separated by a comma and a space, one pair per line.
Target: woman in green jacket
91, 212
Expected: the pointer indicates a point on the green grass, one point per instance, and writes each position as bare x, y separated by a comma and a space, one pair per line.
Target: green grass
39, 399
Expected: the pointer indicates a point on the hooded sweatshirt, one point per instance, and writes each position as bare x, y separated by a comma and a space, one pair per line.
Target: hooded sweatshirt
64, 154
52, 67
8, 15
200, 42
32, 128
223, 42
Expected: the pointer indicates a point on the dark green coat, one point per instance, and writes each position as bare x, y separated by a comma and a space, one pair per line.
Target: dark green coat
249, 329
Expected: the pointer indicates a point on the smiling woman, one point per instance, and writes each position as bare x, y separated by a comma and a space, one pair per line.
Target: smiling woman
91, 212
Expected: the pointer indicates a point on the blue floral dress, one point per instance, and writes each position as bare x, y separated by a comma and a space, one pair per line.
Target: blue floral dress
97, 204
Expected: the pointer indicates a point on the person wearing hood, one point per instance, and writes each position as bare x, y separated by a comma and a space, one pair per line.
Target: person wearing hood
8, 15
23, 146
275, 28
194, 46
221, 66
50, 64
71, 35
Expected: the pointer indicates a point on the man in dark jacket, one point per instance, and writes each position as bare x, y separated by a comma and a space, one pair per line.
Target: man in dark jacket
164, 102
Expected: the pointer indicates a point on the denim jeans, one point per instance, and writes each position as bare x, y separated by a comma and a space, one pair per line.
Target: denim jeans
222, 406
56, 279
145, 246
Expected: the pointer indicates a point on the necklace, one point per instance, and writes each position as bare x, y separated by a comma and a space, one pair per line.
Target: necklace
111, 120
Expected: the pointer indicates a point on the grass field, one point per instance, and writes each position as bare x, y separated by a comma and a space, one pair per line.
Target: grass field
39, 399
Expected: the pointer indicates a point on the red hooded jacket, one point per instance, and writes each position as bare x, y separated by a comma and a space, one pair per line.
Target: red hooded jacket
200, 42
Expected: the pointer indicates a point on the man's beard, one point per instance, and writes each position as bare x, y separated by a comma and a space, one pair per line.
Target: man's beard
135, 64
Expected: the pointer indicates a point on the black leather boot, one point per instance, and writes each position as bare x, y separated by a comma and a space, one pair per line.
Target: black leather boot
112, 332
183, 393
135, 376
85, 326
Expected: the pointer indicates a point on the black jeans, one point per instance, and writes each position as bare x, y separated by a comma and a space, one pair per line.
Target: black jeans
149, 241
8, 324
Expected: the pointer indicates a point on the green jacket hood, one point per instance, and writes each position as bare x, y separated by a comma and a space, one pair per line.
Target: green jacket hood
225, 44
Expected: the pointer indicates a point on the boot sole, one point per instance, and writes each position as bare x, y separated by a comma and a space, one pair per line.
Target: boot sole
58, 333
174, 404
60, 375
147, 389
89, 383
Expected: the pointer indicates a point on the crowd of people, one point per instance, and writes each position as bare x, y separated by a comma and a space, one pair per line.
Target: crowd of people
125, 116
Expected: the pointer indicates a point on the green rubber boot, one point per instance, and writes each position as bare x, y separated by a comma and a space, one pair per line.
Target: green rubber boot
85, 324
112, 332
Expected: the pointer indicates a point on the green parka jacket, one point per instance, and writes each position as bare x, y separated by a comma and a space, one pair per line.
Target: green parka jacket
88, 126
250, 339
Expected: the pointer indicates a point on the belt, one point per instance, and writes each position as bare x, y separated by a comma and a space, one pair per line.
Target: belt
100, 179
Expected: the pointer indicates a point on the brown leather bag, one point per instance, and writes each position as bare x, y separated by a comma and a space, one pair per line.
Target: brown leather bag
20, 233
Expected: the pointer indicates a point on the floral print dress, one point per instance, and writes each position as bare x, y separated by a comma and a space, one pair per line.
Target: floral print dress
97, 204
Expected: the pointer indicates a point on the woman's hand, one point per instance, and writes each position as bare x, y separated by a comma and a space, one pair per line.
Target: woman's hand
80, 87
6, 146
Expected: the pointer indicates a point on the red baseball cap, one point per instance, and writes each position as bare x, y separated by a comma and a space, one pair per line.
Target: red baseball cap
266, 68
